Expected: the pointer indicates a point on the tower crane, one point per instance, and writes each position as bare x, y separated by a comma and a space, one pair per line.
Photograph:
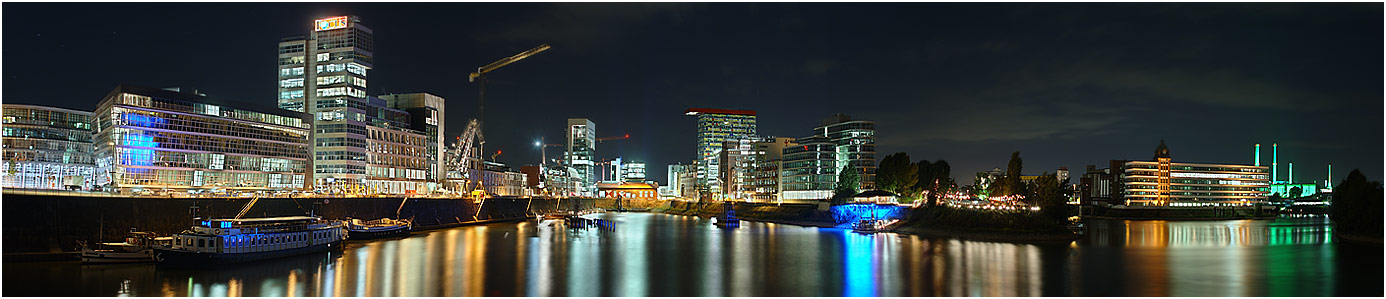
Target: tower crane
609, 138
481, 86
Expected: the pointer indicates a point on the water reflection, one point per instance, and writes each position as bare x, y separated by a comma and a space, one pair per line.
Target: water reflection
662, 255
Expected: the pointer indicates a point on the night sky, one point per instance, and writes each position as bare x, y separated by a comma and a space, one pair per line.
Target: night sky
1064, 84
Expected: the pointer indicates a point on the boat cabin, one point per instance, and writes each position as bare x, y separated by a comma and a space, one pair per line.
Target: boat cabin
257, 234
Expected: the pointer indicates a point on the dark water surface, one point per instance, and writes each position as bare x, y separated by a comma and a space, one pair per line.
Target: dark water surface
664, 255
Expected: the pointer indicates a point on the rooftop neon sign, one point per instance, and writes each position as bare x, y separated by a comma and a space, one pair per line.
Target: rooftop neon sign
330, 23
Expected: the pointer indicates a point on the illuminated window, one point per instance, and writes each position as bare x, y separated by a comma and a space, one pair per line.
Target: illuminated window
326, 80
356, 68
331, 68
330, 92
293, 94
286, 83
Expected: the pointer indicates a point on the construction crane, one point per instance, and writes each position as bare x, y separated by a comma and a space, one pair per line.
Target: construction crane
460, 159
623, 137
481, 86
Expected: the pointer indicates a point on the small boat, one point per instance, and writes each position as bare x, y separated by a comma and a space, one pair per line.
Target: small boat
237, 240
1076, 225
726, 222
868, 226
379, 228
137, 248
728, 218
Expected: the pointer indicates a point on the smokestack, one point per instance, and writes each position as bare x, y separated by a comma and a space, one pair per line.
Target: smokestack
1258, 154
1330, 177
1292, 172
1275, 154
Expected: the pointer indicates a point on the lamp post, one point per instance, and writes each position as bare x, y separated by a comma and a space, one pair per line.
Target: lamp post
543, 156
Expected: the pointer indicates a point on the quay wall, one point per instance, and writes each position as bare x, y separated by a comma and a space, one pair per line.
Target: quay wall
795, 214
48, 223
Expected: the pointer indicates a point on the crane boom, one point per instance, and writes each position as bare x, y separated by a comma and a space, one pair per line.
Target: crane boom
504, 61
462, 150
623, 137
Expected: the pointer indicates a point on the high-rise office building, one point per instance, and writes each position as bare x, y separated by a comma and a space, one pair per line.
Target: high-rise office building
173, 139
47, 148
811, 168
390, 144
716, 126
324, 74
581, 155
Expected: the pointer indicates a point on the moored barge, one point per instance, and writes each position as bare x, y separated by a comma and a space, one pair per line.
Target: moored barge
358, 229
227, 241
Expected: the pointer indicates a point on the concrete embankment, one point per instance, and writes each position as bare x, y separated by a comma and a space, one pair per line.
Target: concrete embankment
43, 223
794, 214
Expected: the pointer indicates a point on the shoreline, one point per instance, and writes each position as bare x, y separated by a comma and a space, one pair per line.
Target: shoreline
990, 236
1007, 237
1357, 239
1180, 219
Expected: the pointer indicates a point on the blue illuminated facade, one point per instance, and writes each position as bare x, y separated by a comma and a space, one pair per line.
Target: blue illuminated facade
849, 214
167, 139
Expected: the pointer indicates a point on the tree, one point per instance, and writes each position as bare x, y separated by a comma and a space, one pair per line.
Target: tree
941, 172
1356, 205
984, 185
1049, 196
1295, 192
896, 174
925, 173
848, 184
1011, 181
934, 178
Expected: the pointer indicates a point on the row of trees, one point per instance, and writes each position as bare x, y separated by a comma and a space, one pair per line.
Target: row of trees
918, 180
926, 180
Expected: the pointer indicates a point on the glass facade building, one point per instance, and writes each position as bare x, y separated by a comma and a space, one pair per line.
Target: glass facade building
390, 144
164, 139
1164, 183
47, 148
716, 126
581, 155
324, 74
810, 169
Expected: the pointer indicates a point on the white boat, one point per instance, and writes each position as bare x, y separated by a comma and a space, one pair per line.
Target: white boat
137, 248
868, 226
224, 241
358, 229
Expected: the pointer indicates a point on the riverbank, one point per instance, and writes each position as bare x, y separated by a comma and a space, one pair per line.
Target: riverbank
1001, 226
792, 214
1357, 238
1184, 213
990, 236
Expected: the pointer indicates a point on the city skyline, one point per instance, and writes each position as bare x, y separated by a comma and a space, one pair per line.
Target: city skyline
967, 83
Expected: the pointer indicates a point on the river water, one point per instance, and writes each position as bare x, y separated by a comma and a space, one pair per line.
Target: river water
665, 255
